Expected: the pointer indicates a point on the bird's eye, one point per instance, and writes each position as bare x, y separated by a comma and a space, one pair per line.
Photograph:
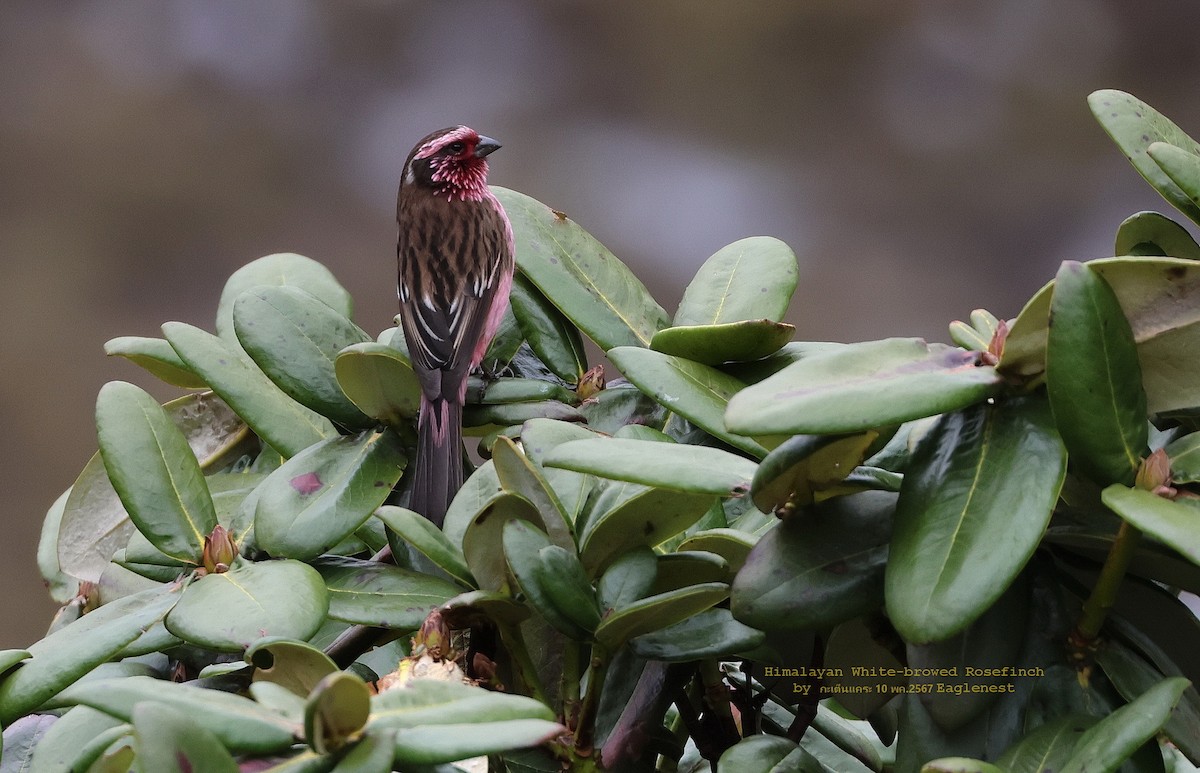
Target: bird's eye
456, 147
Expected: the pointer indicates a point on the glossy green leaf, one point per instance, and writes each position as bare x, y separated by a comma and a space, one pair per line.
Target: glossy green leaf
959, 765
628, 515
566, 584
1135, 126
61, 586
697, 392
154, 471
713, 633
861, 386
1162, 327
974, 504
240, 724
629, 578
820, 567
157, 357
371, 593
1093, 377
1047, 748
278, 419
1184, 453
1116, 737
597, 292
656, 612
1181, 166
230, 610
743, 341
1172, 523
64, 743
420, 532
852, 645
432, 744
689, 567
523, 543
337, 710
516, 390
94, 524
467, 608
283, 269
618, 405
321, 495
294, 665
552, 337
768, 753
1149, 233
505, 344
732, 545
519, 475
748, 279
1133, 675
371, 754
64, 656
541, 436
968, 337
477, 492
166, 740
294, 338
692, 469
804, 466
380, 381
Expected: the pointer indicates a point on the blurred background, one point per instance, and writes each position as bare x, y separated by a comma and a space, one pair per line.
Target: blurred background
922, 158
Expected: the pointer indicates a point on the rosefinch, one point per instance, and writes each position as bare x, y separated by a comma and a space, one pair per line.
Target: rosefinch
455, 254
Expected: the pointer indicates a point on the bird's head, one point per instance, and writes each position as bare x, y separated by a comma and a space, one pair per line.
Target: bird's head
451, 163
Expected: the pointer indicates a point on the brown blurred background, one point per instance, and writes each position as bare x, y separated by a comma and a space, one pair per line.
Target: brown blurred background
922, 158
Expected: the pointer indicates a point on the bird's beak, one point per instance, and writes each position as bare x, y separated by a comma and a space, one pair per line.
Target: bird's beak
485, 146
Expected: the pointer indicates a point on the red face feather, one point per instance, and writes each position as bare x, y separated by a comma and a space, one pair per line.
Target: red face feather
455, 253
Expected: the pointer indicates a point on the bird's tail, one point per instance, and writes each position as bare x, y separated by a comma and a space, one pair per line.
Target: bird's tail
439, 467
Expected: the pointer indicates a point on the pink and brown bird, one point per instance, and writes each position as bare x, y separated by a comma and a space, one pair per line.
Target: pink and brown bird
455, 255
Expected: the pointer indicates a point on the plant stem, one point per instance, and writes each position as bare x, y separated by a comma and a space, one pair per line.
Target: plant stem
569, 683
1104, 594
585, 733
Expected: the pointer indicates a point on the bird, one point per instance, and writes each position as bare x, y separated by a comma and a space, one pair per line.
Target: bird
454, 253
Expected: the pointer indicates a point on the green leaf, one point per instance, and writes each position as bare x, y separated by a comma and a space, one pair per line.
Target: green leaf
597, 292
749, 279
696, 392
801, 468
154, 471
480, 489
65, 743
278, 419
418, 531
862, 386
294, 665
230, 610
62, 586
519, 475
64, 656
1093, 377
627, 579
959, 765
1047, 748
744, 341
337, 710
1149, 233
166, 740
516, 390
541, 436
370, 754
689, 567
1172, 523
1184, 453
628, 515
552, 337
157, 357
294, 338
240, 724
1133, 675
321, 495
1115, 738
380, 381
768, 754
710, 634
820, 567
657, 612
371, 593
731, 544
284, 269
1134, 126
676, 467
1181, 166
566, 585
523, 543
620, 404
975, 502
22, 740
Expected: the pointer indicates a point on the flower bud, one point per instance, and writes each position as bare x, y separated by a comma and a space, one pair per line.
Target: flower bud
219, 550
433, 636
591, 382
1154, 473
